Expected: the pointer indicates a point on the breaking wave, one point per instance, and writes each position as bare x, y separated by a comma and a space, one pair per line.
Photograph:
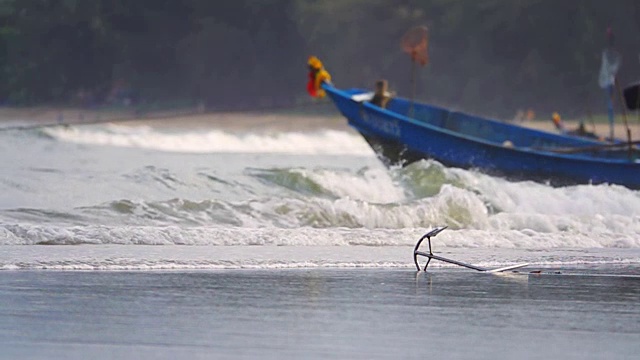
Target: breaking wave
327, 142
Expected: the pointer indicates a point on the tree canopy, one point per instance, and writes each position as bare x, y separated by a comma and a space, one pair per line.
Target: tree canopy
487, 56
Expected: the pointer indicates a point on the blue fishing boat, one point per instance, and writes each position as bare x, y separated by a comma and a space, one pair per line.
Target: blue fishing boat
405, 131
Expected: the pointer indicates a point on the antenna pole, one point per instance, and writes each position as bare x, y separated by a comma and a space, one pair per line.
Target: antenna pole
413, 86
624, 117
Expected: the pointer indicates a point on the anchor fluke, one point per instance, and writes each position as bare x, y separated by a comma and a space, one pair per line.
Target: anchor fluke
430, 255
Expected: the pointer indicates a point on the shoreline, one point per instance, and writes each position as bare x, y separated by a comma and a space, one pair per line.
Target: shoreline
236, 121
601, 129
232, 121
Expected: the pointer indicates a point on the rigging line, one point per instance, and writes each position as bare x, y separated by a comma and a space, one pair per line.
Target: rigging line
161, 115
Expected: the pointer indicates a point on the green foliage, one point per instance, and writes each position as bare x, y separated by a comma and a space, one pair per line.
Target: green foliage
487, 56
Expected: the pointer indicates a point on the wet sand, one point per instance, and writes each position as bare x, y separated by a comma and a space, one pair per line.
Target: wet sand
316, 314
231, 121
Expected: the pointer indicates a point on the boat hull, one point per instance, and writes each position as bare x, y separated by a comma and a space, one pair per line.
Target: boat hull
460, 140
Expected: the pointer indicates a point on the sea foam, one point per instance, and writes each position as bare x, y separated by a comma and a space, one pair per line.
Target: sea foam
329, 142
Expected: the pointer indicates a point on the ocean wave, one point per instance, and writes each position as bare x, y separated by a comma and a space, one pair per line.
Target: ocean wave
418, 196
212, 236
326, 142
373, 185
304, 236
452, 208
371, 199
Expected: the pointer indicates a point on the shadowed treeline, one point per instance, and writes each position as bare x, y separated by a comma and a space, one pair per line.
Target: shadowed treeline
488, 56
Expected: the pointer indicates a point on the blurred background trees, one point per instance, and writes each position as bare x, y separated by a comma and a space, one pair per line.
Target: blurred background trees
486, 56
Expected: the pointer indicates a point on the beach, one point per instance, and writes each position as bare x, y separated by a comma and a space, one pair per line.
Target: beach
248, 121
344, 179
283, 236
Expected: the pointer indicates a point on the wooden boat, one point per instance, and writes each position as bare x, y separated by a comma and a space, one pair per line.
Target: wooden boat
405, 132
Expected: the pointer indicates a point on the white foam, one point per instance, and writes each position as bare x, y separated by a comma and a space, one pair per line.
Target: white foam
145, 258
305, 236
330, 142
371, 185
